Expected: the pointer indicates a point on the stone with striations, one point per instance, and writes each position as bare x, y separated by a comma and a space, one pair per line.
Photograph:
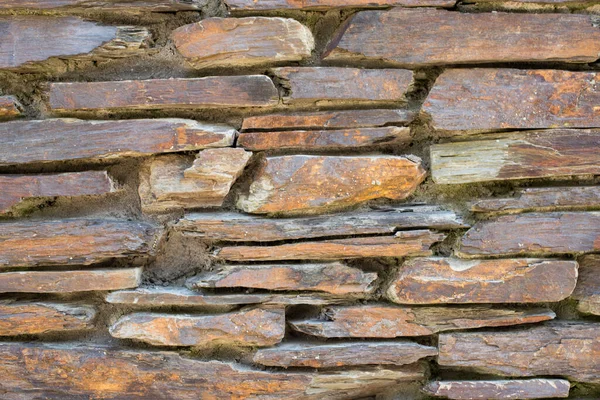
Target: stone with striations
587, 291
500, 389
106, 5
32, 318
251, 5
9, 107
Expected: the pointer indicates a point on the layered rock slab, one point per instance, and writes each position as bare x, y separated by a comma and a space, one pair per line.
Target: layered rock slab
250, 5
121, 5
32, 318
500, 389
587, 291
9, 107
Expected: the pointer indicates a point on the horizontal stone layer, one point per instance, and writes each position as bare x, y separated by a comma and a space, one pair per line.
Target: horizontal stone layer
120, 5
568, 349
208, 92
450, 280
32, 318
587, 291
250, 5
500, 389
9, 107
243, 42
23, 142
517, 155
409, 243
493, 99
243, 228
382, 321
418, 37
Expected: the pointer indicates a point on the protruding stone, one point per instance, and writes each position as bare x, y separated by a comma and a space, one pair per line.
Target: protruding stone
235, 42
33, 318
587, 291
381, 321
450, 280
252, 327
316, 184
9, 107
418, 37
251, 5
500, 389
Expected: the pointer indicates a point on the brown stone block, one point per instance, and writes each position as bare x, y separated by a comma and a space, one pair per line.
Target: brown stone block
500, 389
31, 318
250, 5
587, 291
106, 5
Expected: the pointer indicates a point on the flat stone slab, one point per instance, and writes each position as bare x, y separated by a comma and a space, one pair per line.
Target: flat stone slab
251, 5
33, 318
500, 389
587, 291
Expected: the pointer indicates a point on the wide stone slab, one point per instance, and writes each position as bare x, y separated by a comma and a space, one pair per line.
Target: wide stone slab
587, 291
411, 37
244, 228
316, 184
382, 321
517, 155
350, 354
409, 243
32, 318
492, 99
533, 233
565, 348
243, 42
112, 5
335, 278
500, 389
23, 142
153, 94
251, 5
449, 280
9, 107
252, 327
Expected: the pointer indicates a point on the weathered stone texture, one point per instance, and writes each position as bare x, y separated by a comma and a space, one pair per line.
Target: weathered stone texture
32, 318
313, 184
348, 354
120, 5
419, 37
208, 92
252, 327
381, 321
587, 291
517, 155
251, 5
450, 280
335, 278
52, 140
563, 348
409, 243
9, 107
235, 42
329, 86
533, 233
500, 389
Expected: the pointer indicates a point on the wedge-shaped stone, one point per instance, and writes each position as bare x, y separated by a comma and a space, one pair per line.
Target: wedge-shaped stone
402, 244
251, 327
342, 355
491, 99
235, 42
534, 233
73, 241
31, 318
329, 86
450, 280
172, 182
120, 5
563, 348
251, 5
542, 199
69, 281
20, 192
208, 92
335, 278
407, 37
9, 107
328, 120
33, 38
243, 228
381, 321
24, 142
324, 140
316, 184
587, 291
72, 369
518, 155
500, 389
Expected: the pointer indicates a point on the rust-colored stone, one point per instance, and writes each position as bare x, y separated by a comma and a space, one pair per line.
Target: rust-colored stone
587, 291
329, 86
566, 348
500, 389
32, 318
9, 107
316, 184
152, 94
251, 327
450, 280
416, 37
334, 278
251, 5
235, 42
409, 243
382, 321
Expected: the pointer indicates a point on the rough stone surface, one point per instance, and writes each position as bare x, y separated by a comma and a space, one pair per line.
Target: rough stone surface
450, 280
587, 291
568, 349
235, 42
9, 107
500, 389
208, 92
252, 327
251, 5
381, 321
117, 5
409, 243
313, 184
419, 37
350, 354
32, 318
24, 142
